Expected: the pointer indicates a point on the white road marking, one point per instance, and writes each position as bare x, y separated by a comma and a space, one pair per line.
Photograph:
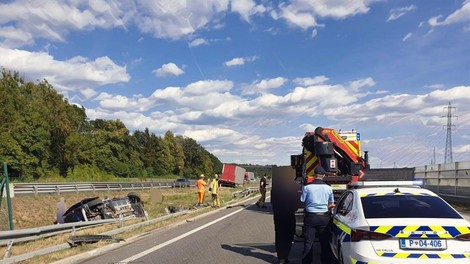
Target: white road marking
171, 241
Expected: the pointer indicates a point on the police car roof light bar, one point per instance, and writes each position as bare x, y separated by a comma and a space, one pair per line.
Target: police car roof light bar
360, 184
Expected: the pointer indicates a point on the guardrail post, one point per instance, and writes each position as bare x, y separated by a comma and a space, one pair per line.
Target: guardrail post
57, 189
8, 251
438, 178
93, 187
120, 221
35, 188
455, 177
142, 185
76, 188
6, 183
120, 187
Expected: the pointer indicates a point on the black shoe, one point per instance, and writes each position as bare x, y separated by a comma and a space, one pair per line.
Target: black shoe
264, 206
257, 204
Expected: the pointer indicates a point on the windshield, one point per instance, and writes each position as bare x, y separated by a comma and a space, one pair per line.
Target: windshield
407, 206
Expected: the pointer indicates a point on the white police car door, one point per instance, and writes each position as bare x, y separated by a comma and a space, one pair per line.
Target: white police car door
340, 216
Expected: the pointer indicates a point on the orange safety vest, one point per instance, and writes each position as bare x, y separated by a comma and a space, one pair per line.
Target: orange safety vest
200, 184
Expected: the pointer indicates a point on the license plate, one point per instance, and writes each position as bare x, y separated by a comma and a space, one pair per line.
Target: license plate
435, 244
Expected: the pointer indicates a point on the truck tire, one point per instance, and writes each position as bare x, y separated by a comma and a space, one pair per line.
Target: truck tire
134, 197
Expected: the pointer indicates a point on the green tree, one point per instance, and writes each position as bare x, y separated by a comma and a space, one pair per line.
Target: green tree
42, 135
177, 153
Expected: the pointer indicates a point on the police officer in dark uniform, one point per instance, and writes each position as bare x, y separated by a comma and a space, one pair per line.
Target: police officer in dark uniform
318, 198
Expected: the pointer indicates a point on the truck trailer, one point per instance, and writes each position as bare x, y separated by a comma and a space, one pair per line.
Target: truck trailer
250, 176
232, 175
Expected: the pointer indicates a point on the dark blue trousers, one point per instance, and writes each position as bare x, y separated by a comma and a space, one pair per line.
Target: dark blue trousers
316, 223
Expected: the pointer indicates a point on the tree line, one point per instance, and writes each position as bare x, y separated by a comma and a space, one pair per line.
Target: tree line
44, 137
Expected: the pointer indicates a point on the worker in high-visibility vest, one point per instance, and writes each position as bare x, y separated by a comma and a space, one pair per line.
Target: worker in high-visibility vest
201, 189
214, 187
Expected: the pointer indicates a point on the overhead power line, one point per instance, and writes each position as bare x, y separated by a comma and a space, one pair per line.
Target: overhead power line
448, 152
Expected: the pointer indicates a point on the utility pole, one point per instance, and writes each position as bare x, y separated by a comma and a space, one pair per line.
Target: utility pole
448, 151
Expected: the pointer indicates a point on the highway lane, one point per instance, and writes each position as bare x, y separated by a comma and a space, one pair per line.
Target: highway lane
240, 234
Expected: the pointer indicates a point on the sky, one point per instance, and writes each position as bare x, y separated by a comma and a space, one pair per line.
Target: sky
246, 79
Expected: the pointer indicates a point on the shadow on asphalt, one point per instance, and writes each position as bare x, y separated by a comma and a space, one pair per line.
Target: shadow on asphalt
254, 250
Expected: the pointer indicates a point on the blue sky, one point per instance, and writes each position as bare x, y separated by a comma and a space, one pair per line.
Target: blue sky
247, 79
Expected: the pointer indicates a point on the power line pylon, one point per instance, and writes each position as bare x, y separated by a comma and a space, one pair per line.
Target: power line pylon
448, 152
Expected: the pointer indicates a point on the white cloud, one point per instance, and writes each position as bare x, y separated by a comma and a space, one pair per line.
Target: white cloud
239, 61
314, 33
74, 75
393, 108
55, 20
271, 83
168, 69
198, 42
361, 83
176, 19
15, 37
264, 85
297, 18
461, 15
399, 12
120, 102
304, 14
405, 38
437, 86
246, 8
24, 21
209, 86
311, 81
235, 62
212, 114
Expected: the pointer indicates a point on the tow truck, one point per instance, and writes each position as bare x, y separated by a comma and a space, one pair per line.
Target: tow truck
340, 155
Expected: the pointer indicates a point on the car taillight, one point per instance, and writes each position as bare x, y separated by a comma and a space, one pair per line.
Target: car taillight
358, 235
464, 237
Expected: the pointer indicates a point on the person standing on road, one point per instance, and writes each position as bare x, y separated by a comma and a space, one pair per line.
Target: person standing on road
285, 201
318, 198
262, 190
214, 187
201, 189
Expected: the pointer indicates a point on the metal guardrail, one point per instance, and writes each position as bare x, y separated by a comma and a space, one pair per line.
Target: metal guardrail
448, 179
59, 188
7, 237
247, 191
30, 234
52, 249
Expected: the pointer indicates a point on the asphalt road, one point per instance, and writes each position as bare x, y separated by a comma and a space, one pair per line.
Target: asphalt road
240, 234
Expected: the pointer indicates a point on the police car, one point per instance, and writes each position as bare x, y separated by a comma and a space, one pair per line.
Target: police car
397, 222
